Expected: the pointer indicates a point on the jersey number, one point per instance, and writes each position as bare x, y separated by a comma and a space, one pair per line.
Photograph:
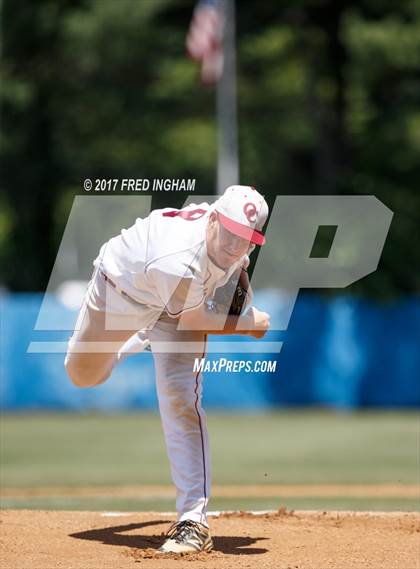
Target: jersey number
189, 215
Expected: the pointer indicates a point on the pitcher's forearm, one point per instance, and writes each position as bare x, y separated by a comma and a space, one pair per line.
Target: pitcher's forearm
231, 326
216, 323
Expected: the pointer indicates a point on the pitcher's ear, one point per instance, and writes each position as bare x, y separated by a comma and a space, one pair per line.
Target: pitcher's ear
213, 217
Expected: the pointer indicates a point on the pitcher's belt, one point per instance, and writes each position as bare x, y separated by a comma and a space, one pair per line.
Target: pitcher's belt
117, 288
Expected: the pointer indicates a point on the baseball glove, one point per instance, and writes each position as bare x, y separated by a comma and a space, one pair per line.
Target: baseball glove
234, 296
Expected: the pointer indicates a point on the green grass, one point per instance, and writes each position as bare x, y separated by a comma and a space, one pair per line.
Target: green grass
134, 504
291, 447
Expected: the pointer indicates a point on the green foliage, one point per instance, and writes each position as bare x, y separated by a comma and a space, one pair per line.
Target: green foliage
327, 95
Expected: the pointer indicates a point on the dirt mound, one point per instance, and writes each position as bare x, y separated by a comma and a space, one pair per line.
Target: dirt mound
280, 540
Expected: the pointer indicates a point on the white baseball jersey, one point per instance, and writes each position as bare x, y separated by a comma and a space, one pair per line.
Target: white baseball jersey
161, 261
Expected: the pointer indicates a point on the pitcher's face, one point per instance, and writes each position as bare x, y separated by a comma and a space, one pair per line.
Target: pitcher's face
223, 247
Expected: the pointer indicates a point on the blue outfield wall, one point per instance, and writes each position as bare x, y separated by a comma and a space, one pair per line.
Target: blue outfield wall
343, 352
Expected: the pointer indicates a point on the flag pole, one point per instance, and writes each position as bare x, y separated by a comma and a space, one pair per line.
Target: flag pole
226, 108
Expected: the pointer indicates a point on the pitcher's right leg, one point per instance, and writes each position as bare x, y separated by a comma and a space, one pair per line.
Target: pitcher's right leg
93, 349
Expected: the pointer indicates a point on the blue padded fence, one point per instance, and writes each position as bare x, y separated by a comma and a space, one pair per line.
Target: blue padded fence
343, 352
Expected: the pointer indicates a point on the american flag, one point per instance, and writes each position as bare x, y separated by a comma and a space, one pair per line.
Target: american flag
205, 38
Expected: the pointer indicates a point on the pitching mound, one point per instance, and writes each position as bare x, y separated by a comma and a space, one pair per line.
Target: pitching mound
284, 540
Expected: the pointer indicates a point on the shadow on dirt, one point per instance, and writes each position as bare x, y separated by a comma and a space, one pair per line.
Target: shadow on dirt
117, 535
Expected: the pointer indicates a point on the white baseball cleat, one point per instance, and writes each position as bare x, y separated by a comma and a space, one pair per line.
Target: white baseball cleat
187, 537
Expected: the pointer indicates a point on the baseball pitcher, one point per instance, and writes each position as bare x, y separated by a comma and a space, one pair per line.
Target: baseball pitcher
164, 284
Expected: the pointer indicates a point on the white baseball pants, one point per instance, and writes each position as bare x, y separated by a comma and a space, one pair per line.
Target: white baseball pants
179, 388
